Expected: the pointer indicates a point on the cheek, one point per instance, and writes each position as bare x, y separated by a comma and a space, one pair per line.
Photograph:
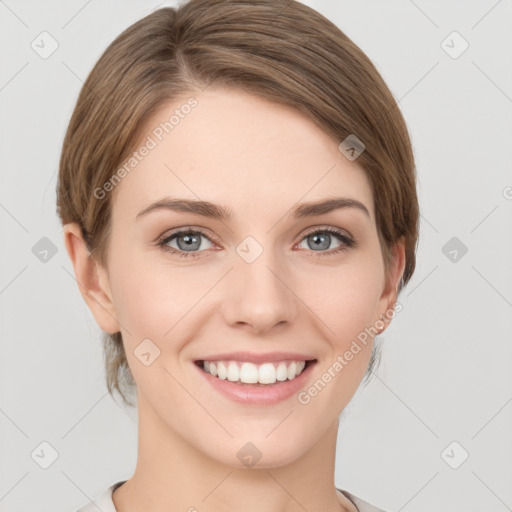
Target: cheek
352, 312
145, 299
346, 298
149, 305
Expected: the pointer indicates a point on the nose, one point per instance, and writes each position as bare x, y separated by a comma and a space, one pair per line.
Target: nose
258, 295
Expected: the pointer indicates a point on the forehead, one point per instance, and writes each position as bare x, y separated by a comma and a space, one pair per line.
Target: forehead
237, 149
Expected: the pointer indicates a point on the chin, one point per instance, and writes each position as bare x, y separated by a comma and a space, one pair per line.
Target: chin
259, 451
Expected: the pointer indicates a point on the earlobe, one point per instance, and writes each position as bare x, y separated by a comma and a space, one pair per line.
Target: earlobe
92, 279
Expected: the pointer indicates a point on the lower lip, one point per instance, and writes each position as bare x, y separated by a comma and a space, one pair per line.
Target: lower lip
258, 395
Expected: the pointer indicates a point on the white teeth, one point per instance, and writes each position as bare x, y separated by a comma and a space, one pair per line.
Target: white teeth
233, 371
222, 371
281, 372
292, 370
250, 373
266, 374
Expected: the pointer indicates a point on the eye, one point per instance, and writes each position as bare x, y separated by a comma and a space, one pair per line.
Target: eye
187, 241
321, 239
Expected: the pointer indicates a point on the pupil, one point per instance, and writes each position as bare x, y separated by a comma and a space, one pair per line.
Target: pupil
318, 241
189, 240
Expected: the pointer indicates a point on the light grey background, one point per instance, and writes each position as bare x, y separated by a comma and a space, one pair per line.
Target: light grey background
446, 370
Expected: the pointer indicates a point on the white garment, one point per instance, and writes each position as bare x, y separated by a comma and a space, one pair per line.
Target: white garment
104, 502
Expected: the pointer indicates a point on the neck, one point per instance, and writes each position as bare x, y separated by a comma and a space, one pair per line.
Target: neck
171, 474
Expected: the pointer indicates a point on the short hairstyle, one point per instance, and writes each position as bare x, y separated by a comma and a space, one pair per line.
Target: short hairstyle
279, 50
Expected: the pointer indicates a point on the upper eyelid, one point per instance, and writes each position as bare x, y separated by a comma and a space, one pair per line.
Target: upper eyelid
184, 230
326, 227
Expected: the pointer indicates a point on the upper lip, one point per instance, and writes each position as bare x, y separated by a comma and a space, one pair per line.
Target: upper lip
255, 358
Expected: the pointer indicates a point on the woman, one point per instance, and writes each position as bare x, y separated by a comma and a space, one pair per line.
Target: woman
237, 187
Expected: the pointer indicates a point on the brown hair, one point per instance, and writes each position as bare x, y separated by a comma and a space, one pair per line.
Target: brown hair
280, 50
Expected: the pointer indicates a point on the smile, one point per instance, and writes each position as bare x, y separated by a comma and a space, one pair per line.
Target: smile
269, 383
250, 373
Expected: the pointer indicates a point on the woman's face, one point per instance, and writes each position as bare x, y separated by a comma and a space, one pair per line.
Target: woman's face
267, 279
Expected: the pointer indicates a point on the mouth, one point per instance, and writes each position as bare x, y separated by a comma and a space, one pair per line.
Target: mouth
270, 383
248, 374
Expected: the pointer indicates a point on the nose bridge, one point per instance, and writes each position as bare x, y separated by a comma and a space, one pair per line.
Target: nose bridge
257, 290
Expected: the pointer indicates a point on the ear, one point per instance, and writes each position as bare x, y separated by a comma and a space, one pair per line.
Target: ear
92, 279
390, 292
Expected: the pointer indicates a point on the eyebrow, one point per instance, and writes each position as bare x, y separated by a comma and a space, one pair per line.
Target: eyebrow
207, 209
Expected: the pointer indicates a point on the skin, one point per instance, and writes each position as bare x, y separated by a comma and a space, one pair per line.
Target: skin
259, 159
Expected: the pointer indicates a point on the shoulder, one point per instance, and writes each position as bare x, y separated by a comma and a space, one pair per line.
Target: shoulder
103, 501
361, 505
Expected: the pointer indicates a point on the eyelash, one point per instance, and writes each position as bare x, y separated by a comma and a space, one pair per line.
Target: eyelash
346, 241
